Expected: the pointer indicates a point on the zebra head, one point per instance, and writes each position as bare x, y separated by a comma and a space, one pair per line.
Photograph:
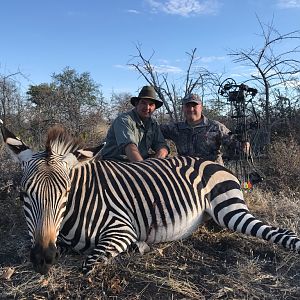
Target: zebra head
45, 187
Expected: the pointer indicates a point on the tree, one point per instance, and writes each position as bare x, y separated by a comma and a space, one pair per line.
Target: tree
119, 102
78, 96
275, 67
196, 79
68, 98
44, 98
45, 111
71, 99
11, 102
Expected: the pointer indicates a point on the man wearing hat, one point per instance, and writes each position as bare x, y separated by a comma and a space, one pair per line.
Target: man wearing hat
134, 133
198, 135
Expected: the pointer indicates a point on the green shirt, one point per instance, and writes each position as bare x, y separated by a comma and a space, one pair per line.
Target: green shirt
127, 129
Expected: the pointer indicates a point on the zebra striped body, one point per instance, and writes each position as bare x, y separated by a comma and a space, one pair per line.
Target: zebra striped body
159, 199
104, 206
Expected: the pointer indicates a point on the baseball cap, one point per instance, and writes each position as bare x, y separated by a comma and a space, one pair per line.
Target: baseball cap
191, 98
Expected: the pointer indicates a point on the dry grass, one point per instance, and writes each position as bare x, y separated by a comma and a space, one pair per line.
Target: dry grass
283, 164
212, 264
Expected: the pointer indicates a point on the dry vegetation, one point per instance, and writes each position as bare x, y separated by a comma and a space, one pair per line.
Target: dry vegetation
213, 264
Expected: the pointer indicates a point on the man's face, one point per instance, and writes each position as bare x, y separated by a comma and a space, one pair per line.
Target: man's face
192, 112
145, 108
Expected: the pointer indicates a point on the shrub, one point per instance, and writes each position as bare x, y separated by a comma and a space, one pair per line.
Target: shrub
283, 164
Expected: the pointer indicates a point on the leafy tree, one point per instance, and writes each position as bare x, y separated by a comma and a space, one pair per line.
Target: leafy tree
119, 102
78, 95
44, 98
71, 99
45, 110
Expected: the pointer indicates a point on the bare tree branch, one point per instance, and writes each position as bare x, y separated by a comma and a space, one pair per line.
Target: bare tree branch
170, 93
274, 67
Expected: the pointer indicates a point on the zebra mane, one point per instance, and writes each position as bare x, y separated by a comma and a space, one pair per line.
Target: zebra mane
60, 142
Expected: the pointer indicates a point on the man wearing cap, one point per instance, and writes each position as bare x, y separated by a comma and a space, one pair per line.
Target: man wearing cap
198, 135
133, 133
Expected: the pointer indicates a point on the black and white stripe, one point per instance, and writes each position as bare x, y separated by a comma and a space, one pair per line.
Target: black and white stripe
113, 204
104, 206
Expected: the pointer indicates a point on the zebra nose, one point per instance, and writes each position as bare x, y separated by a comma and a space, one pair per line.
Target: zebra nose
42, 258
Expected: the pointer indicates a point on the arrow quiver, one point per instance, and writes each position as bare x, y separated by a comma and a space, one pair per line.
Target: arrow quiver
245, 119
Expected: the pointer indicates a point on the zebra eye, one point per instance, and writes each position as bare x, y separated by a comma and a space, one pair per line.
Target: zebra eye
22, 196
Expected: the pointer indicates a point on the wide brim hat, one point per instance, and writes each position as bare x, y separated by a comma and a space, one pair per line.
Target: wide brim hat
147, 92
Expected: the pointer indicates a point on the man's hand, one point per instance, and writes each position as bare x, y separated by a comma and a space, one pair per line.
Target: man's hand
246, 148
161, 153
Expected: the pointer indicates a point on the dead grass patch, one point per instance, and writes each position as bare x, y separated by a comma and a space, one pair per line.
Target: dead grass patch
213, 263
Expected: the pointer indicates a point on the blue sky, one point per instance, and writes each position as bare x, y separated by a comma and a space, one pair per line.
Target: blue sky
40, 38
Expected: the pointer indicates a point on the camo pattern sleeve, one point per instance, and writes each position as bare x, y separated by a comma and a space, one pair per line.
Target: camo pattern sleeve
206, 140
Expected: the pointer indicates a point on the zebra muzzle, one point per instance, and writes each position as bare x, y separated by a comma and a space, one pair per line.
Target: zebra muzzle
43, 258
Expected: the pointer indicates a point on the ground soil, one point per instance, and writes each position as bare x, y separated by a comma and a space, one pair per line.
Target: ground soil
212, 264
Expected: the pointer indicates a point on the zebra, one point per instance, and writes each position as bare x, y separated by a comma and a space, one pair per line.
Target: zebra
101, 207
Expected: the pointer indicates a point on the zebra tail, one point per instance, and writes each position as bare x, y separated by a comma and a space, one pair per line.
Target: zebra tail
242, 221
229, 210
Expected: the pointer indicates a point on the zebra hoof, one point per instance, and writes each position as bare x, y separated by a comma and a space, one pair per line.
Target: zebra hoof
143, 247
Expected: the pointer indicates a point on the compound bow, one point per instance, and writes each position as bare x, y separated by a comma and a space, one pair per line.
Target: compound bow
240, 97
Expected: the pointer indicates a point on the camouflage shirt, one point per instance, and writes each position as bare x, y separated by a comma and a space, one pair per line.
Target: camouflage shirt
127, 129
206, 139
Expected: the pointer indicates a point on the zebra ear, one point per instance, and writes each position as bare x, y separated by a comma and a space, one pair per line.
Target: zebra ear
18, 149
81, 156
70, 160
88, 153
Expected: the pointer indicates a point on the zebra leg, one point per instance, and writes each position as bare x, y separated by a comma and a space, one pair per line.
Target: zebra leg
229, 210
101, 254
109, 246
